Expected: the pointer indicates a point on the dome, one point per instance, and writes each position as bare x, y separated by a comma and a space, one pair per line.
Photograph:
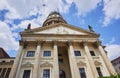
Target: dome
53, 18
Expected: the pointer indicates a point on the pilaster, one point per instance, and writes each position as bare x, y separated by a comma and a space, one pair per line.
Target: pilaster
55, 57
105, 58
14, 69
90, 60
37, 58
72, 60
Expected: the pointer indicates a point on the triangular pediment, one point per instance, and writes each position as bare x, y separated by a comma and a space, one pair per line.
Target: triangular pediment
61, 29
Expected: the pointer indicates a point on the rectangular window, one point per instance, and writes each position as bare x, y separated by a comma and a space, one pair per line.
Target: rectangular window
8, 72
92, 53
3, 72
60, 61
99, 71
47, 53
46, 73
82, 72
30, 53
0, 70
77, 53
26, 74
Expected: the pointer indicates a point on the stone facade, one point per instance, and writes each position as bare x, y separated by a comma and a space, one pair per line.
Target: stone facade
6, 63
116, 64
60, 50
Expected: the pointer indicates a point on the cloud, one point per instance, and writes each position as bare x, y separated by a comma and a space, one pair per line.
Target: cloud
84, 6
113, 51
7, 40
111, 11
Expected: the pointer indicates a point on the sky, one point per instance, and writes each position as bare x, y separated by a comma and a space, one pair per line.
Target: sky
102, 15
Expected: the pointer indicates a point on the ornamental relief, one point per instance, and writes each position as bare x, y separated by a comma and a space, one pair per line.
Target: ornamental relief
28, 64
46, 64
81, 63
97, 63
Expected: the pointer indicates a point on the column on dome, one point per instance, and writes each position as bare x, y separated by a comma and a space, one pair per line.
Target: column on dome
72, 61
90, 60
37, 58
17, 61
55, 59
105, 58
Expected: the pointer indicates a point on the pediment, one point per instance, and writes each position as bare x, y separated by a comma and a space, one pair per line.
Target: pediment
28, 64
81, 63
61, 29
46, 64
97, 63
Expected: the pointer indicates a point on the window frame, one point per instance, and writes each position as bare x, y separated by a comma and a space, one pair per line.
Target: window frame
77, 52
92, 53
60, 61
99, 74
32, 54
47, 55
85, 74
43, 71
29, 73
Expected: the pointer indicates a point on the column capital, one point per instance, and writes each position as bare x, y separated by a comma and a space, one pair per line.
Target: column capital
39, 42
23, 43
98, 43
69, 42
55, 42
84, 42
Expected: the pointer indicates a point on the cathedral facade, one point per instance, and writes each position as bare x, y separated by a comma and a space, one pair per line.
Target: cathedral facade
60, 50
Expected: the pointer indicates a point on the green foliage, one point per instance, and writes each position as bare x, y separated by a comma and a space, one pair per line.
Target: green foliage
112, 76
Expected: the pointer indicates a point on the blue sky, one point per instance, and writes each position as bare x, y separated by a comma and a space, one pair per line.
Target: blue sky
102, 15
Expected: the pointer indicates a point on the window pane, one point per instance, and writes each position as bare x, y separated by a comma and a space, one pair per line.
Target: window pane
30, 53
92, 53
82, 72
26, 74
47, 53
8, 72
0, 70
46, 73
60, 61
62, 74
3, 72
77, 53
99, 71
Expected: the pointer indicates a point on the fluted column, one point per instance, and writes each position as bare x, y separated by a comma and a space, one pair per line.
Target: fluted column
72, 61
37, 58
56, 65
90, 60
17, 60
105, 58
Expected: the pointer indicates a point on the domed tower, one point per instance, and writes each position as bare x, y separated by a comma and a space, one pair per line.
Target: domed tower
53, 18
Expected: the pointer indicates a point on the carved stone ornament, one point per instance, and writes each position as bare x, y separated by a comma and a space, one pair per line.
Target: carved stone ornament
81, 63
28, 64
97, 63
46, 64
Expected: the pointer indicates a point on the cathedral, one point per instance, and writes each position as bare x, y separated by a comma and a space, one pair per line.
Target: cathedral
60, 50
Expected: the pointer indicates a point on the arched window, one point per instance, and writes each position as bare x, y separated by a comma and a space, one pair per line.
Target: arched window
62, 74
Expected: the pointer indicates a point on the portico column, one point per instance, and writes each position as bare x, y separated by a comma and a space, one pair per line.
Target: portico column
105, 58
90, 60
56, 65
17, 60
73, 63
37, 58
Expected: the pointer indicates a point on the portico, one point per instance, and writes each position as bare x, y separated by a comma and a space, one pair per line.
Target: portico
60, 50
